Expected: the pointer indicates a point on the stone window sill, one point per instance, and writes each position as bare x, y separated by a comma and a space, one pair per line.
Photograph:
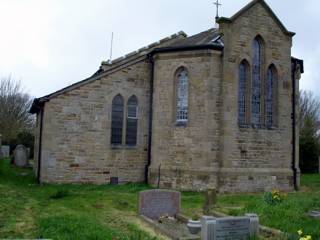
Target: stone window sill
124, 147
181, 124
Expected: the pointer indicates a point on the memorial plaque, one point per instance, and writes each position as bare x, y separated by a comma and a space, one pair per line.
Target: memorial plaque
156, 203
233, 228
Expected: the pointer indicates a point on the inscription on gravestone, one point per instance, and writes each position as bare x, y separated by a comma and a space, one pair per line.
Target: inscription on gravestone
232, 228
156, 203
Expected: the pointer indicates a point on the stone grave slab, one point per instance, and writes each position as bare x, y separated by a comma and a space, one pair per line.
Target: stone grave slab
20, 156
156, 203
230, 228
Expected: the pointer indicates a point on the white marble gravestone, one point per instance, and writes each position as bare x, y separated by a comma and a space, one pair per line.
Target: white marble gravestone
20, 156
235, 228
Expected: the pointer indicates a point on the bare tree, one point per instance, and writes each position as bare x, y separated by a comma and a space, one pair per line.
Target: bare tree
309, 108
14, 106
309, 132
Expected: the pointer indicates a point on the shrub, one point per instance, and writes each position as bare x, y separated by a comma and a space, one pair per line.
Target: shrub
274, 197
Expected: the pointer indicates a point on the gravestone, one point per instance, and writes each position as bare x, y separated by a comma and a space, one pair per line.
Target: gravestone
210, 197
20, 156
5, 151
156, 203
235, 228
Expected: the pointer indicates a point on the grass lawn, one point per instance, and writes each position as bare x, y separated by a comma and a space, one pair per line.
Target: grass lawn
28, 210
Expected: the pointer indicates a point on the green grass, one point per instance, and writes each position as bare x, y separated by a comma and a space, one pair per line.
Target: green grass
28, 210
288, 216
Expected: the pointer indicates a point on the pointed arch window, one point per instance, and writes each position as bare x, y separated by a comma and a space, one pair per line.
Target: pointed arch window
182, 94
242, 93
117, 120
270, 96
256, 83
132, 121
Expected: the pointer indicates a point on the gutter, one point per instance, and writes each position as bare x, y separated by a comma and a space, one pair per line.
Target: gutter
294, 169
40, 145
146, 173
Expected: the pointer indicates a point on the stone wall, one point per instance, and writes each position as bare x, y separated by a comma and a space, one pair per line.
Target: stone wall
188, 155
256, 159
77, 126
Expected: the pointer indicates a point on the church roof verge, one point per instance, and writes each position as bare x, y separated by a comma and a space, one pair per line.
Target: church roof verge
268, 9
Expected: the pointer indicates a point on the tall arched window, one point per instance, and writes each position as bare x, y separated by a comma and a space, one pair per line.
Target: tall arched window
132, 121
270, 95
182, 95
242, 92
117, 120
256, 82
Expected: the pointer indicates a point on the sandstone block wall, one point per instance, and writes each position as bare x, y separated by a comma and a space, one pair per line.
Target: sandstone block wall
186, 155
256, 159
77, 127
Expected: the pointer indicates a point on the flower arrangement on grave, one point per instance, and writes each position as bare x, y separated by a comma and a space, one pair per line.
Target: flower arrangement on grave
165, 217
274, 197
302, 236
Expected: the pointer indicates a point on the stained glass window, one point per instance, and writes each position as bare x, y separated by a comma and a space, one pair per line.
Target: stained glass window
132, 121
117, 120
182, 96
256, 83
271, 78
243, 78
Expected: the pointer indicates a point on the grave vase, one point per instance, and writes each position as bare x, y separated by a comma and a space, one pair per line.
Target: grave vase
194, 226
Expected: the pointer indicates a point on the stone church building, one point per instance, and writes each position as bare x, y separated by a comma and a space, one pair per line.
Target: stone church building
211, 110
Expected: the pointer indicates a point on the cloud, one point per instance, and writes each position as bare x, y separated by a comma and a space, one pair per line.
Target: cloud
50, 44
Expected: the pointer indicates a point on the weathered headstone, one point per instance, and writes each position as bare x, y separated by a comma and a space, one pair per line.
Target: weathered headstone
5, 151
210, 197
156, 203
235, 228
20, 156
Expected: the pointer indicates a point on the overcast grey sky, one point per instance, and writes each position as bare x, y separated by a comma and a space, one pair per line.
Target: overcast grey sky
49, 44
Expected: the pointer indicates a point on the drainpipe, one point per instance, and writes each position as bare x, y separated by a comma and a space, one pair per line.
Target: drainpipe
294, 68
40, 145
150, 57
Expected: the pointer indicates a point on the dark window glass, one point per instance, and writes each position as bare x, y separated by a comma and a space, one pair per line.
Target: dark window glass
256, 82
182, 96
269, 96
132, 121
117, 120
243, 78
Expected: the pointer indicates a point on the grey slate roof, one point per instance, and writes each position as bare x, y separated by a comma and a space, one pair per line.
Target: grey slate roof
208, 37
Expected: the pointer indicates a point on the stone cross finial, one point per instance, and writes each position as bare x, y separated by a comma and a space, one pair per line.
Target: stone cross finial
217, 5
